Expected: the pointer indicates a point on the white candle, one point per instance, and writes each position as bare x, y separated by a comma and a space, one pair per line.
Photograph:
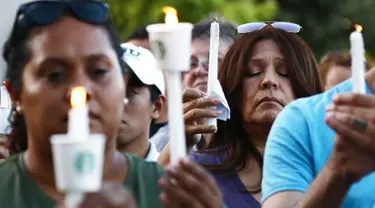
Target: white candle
171, 46
358, 60
213, 64
78, 121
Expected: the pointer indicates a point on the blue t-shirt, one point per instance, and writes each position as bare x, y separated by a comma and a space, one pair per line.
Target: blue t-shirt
299, 145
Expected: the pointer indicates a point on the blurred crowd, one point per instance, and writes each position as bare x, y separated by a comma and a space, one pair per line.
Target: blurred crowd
297, 135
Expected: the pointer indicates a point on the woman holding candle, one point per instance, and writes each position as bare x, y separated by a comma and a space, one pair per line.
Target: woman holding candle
42, 68
265, 69
323, 147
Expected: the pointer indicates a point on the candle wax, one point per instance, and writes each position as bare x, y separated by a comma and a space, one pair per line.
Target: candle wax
213, 65
358, 62
78, 123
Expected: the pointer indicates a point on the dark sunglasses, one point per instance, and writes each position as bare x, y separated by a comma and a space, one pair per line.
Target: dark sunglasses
39, 13
256, 26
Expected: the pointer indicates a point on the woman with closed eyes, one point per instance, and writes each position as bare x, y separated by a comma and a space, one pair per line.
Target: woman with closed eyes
267, 67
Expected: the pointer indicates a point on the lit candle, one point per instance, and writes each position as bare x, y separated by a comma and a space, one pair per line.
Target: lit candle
358, 60
213, 64
78, 121
171, 46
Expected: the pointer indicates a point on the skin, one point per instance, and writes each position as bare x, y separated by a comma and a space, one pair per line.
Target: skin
133, 134
266, 77
54, 69
197, 76
336, 75
88, 60
352, 157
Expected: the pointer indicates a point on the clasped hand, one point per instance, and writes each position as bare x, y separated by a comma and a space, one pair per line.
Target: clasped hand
352, 117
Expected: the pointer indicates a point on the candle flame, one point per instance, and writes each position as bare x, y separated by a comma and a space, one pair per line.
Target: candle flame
170, 15
358, 27
78, 97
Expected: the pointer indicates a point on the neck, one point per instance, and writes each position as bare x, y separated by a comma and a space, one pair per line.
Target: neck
258, 135
259, 141
139, 146
370, 79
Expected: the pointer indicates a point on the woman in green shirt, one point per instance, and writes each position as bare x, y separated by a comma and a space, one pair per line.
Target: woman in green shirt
55, 46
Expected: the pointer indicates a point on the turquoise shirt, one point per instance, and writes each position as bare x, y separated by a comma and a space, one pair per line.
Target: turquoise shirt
299, 145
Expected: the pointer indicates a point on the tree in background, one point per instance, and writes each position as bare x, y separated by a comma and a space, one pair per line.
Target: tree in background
131, 14
327, 24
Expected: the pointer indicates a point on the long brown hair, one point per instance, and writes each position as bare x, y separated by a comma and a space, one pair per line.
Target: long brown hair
305, 81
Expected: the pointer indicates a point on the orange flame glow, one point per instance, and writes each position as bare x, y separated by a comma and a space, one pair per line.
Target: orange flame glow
78, 97
358, 27
170, 15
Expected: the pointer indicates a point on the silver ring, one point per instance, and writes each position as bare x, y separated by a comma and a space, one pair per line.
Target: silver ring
360, 125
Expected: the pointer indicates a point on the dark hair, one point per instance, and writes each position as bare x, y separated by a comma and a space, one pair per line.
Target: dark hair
17, 55
336, 58
305, 81
138, 34
136, 82
202, 30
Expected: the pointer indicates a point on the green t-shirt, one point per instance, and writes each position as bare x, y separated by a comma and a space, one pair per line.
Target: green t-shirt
18, 190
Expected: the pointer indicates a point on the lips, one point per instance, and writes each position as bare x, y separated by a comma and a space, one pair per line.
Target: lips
270, 99
92, 116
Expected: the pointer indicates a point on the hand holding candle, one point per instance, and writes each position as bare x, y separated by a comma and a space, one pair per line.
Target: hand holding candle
78, 155
358, 60
171, 46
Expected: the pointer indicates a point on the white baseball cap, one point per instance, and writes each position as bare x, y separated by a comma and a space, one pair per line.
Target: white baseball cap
144, 65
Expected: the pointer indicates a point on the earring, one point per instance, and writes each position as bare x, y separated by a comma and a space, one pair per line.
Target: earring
19, 109
126, 101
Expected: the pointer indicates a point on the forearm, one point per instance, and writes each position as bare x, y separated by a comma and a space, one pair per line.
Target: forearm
328, 190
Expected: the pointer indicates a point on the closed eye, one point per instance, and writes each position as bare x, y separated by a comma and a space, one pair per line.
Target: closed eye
283, 74
253, 74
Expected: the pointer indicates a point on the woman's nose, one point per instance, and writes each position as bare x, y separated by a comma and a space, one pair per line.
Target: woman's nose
270, 81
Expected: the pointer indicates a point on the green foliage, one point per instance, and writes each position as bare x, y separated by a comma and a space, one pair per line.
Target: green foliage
131, 14
328, 24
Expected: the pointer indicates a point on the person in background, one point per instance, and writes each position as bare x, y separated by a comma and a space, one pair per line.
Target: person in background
335, 67
197, 75
43, 66
321, 151
145, 100
266, 68
139, 37
159, 127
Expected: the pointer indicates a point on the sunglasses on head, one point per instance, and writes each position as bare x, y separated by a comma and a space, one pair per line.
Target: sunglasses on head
256, 26
47, 12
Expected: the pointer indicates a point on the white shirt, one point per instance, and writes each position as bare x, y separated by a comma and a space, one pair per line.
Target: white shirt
153, 154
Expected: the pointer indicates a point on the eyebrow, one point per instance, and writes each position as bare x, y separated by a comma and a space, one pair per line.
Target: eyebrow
98, 57
262, 59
